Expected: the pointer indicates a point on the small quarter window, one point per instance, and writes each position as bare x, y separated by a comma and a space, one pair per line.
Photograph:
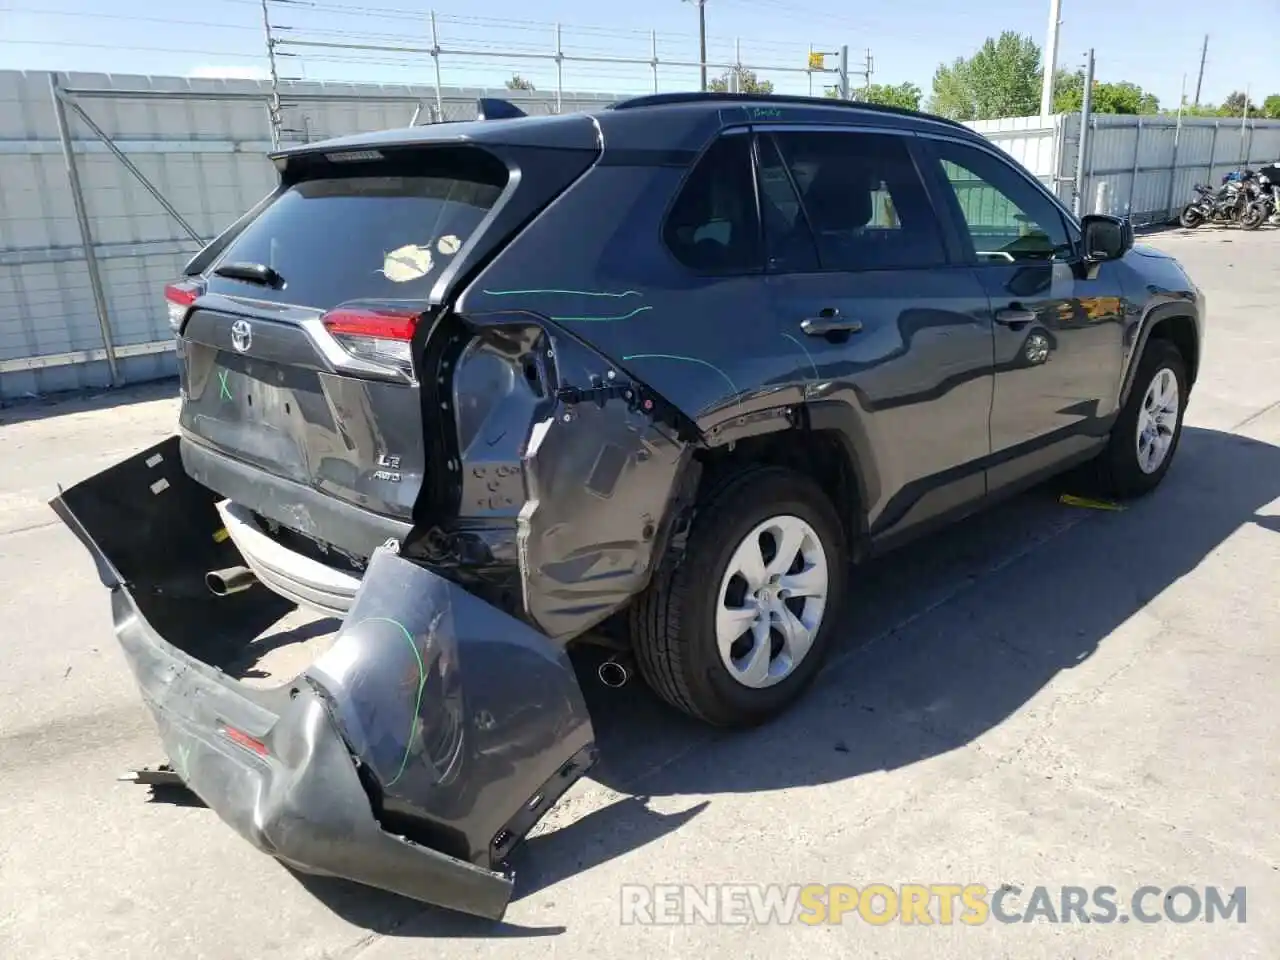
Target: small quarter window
712, 227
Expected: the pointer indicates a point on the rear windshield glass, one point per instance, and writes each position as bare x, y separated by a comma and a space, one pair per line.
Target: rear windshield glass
363, 237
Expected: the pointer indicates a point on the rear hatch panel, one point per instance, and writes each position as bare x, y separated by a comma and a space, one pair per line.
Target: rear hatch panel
272, 380
280, 406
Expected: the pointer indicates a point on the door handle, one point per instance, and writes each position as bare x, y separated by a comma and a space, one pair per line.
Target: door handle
828, 321
1014, 316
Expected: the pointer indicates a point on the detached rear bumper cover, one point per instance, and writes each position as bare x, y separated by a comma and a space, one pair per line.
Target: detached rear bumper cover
459, 725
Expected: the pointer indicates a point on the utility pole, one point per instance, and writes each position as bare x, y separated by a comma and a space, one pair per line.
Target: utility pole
867, 76
1244, 122
1050, 58
273, 108
1204, 51
702, 40
1086, 116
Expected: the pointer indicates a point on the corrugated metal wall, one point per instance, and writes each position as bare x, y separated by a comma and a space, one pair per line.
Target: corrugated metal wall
1142, 167
1134, 159
206, 157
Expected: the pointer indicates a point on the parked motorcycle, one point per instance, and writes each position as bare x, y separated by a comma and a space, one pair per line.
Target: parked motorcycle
1269, 191
1238, 201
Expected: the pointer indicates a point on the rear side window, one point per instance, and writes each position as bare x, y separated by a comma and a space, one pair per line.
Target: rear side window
861, 203
387, 235
712, 227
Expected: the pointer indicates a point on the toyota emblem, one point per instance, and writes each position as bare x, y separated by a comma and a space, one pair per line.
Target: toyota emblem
241, 335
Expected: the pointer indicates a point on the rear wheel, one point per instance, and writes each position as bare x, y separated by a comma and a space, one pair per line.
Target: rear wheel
1191, 216
1146, 434
737, 631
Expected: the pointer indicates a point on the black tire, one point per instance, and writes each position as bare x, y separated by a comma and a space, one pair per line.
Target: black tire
1253, 216
673, 629
1120, 471
1191, 216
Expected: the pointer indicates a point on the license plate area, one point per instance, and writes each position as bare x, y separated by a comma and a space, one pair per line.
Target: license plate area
257, 410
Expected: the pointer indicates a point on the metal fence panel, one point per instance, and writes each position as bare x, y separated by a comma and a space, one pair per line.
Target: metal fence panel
1141, 167
206, 156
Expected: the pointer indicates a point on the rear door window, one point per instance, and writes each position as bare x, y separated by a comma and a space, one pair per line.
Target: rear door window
861, 203
385, 236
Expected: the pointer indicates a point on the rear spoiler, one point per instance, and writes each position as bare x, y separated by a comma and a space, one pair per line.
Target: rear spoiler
494, 108
569, 131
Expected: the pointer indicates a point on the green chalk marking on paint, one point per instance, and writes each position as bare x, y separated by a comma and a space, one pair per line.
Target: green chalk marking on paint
806, 353
422, 682
225, 393
704, 363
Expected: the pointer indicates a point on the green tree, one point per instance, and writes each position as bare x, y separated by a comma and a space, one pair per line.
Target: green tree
748, 82
1001, 80
1068, 91
1271, 107
518, 82
1234, 105
905, 95
1203, 110
953, 94
1123, 97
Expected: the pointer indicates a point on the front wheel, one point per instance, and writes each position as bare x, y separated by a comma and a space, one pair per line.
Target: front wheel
737, 631
1191, 216
1253, 216
1146, 433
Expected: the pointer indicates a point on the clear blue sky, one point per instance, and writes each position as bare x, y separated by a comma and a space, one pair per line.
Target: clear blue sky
1151, 42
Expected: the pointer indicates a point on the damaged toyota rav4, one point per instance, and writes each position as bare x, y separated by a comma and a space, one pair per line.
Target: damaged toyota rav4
662, 373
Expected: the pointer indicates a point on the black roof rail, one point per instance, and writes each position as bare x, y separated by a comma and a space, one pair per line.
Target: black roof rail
694, 96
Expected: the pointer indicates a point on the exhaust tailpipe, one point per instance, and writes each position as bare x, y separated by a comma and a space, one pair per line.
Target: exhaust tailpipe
613, 673
229, 580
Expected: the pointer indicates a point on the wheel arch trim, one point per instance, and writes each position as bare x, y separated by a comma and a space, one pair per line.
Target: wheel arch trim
1164, 313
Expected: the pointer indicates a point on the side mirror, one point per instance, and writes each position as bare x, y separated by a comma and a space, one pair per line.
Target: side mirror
1106, 238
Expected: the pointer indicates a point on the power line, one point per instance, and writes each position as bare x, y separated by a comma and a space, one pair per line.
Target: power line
132, 18
68, 44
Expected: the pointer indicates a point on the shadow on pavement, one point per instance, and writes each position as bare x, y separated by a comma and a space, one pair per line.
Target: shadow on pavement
79, 401
944, 640
950, 636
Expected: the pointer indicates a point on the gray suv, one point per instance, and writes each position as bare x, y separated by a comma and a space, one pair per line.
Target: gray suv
667, 371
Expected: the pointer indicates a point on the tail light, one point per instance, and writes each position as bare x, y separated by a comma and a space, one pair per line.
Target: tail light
178, 299
379, 335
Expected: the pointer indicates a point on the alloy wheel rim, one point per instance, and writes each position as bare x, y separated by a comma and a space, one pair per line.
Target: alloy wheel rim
771, 601
1157, 421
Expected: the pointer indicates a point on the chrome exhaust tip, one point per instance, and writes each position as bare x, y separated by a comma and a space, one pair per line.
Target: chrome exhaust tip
229, 580
613, 674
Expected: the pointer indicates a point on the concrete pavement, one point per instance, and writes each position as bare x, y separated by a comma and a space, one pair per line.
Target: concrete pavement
1041, 696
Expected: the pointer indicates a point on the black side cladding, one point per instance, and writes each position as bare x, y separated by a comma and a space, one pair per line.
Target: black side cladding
412, 756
